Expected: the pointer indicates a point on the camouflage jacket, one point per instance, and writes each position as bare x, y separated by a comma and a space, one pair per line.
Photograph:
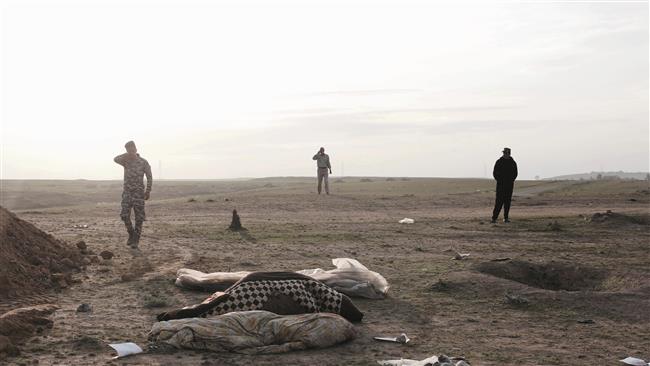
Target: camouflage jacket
134, 170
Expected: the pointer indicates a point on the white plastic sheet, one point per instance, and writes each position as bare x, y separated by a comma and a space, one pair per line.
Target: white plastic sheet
634, 361
125, 349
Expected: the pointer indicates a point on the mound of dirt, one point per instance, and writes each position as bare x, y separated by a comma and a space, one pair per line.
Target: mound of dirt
22, 323
549, 276
32, 260
617, 218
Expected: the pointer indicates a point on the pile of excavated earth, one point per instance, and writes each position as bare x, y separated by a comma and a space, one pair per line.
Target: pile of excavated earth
32, 262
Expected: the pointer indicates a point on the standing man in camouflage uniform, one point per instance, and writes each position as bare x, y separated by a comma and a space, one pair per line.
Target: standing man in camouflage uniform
134, 193
323, 165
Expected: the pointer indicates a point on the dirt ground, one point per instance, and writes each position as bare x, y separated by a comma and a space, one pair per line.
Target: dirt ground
579, 289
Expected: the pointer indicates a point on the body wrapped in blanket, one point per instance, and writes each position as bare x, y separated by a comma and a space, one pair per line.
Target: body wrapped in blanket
254, 332
279, 292
350, 277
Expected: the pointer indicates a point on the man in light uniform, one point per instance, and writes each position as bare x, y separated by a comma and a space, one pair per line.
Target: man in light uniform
323, 164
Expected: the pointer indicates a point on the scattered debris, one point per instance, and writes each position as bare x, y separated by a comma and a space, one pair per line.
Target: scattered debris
125, 349
406, 220
634, 361
80, 226
84, 308
235, 224
586, 321
617, 218
503, 259
517, 300
402, 338
441, 360
106, 254
460, 256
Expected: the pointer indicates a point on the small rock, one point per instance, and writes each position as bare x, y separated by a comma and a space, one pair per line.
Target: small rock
84, 308
82, 245
106, 254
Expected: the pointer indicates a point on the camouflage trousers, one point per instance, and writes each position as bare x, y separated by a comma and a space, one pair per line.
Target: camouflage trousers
133, 201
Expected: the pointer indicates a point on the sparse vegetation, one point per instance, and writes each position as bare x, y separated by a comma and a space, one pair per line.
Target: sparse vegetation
156, 300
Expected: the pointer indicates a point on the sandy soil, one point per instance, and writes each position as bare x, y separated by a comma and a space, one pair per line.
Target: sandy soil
444, 305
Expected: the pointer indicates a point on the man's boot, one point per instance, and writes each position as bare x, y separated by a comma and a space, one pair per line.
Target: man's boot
131, 231
136, 234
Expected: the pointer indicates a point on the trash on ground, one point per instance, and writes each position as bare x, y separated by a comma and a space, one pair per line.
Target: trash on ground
406, 220
80, 226
125, 349
515, 299
441, 360
402, 338
634, 361
460, 256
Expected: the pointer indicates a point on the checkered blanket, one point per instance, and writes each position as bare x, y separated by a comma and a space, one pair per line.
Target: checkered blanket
279, 292
312, 295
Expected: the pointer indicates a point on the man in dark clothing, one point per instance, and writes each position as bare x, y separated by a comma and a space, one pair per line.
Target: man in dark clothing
505, 173
134, 194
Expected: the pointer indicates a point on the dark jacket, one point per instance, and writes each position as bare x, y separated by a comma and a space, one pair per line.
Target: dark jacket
505, 170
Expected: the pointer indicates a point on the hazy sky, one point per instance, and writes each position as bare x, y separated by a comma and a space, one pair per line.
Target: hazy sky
253, 89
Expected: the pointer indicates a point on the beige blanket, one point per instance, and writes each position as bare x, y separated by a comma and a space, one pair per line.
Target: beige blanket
254, 332
350, 277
